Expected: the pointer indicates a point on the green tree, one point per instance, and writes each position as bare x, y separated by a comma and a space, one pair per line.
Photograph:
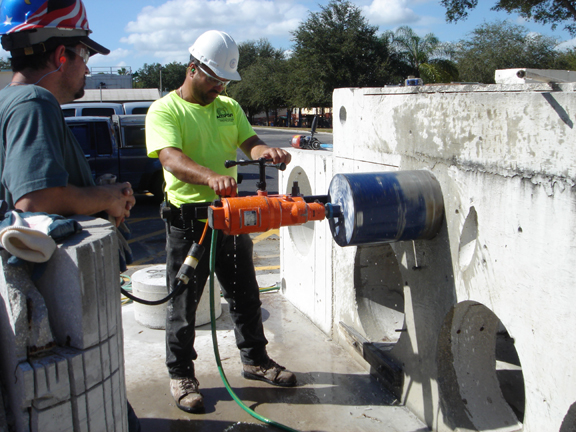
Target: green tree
335, 48
5, 64
262, 68
551, 12
565, 59
148, 76
425, 57
502, 45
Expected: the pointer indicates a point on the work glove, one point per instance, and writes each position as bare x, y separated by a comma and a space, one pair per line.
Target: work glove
33, 236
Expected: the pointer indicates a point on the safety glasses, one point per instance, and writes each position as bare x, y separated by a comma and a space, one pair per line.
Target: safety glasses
83, 52
213, 80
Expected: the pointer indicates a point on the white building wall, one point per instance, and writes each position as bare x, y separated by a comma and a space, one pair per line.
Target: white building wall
505, 258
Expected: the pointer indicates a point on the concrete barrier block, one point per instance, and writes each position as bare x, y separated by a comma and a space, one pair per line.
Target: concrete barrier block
108, 405
79, 413
503, 157
78, 304
54, 419
75, 361
96, 408
119, 401
306, 249
115, 354
26, 388
105, 356
51, 382
92, 367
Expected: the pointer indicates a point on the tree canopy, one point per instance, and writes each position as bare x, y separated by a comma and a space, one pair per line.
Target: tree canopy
551, 12
425, 57
5, 64
148, 76
263, 72
335, 48
502, 45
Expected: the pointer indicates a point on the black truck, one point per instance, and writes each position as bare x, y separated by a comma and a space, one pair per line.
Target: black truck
117, 145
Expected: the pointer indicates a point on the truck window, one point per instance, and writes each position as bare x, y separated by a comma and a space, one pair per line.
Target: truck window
69, 112
107, 112
134, 136
81, 132
102, 136
140, 110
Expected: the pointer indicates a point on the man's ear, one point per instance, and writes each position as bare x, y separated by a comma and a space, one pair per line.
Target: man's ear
59, 56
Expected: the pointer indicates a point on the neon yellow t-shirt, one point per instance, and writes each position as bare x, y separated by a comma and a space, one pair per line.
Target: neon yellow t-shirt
209, 135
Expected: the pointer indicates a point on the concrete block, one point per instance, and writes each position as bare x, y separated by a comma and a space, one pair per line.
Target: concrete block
78, 304
119, 402
26, 385
75, 359
306, 249
504, 157
96, 408
92, 367
57, 418
105, 359
109, 405
527, 76
116, 354
79, 413
51, 382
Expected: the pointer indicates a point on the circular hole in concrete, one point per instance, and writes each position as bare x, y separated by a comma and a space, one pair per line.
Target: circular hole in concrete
342, 114
569, 423
479, 371
302, 235
468, 239
379, 292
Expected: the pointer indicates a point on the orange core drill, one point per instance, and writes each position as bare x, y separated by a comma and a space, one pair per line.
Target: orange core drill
262, 212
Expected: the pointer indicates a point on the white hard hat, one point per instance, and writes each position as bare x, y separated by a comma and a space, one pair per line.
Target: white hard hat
219, 52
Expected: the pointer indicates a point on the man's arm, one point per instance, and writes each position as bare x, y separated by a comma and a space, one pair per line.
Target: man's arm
116, 199
185, 169
255, 148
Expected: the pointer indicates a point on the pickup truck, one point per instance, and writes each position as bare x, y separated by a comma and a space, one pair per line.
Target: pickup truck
117, 145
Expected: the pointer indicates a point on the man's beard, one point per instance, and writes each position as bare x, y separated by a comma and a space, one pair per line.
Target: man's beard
79, 93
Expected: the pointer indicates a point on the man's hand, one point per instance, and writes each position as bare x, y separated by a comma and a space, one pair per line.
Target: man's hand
255, 148
224, 186
278, 155
121, 201
115, 199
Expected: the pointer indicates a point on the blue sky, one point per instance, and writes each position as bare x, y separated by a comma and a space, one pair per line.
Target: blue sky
160, 31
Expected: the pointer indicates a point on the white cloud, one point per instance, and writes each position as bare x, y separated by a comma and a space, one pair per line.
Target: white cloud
566, 45
168, 30
390, 12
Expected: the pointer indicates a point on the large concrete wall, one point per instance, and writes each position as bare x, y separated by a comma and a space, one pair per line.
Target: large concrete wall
479, 318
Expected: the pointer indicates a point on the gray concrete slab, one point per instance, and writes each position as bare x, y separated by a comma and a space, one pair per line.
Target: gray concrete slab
335, 393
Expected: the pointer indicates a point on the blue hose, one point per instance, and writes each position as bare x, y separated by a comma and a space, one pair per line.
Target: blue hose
217, 352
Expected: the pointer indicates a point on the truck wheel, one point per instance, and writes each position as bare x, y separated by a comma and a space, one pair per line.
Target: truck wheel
157, 187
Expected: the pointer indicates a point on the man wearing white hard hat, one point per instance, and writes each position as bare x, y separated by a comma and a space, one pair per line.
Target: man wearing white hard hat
194, 130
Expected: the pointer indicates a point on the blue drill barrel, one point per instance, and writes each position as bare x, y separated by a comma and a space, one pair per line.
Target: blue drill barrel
385, 207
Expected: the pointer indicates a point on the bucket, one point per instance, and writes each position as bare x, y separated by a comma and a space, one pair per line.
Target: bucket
150, 284
385, 207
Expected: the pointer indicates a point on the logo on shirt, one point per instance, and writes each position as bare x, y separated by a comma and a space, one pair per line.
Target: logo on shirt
223, 115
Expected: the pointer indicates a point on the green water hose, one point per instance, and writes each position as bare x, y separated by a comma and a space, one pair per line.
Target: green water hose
217, 352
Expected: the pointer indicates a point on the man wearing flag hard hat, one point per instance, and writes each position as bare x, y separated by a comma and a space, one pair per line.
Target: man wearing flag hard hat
42, 166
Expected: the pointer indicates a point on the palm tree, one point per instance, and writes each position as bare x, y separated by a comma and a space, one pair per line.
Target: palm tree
426, 56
